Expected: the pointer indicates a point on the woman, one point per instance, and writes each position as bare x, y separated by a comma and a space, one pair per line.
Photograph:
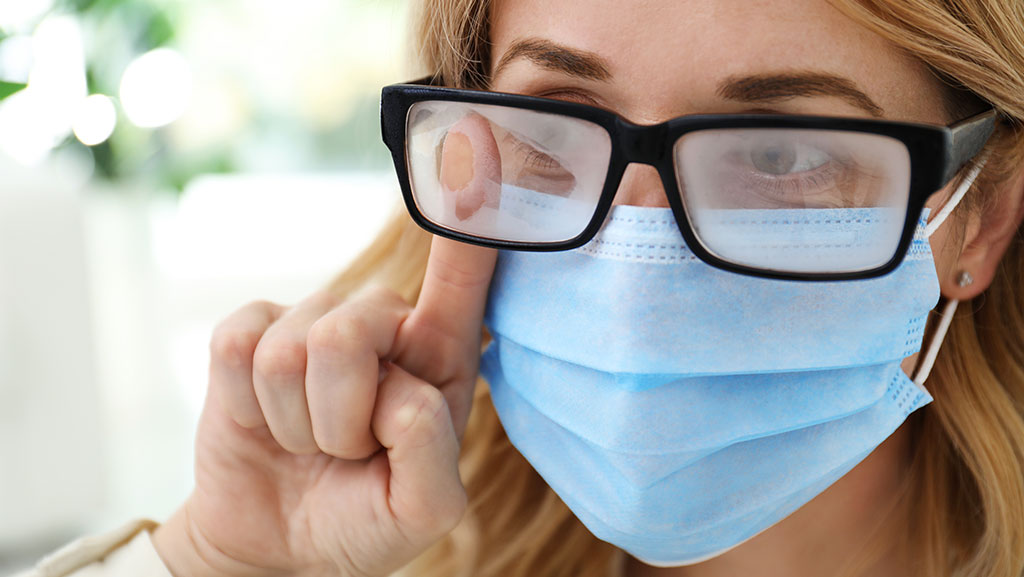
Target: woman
291, 475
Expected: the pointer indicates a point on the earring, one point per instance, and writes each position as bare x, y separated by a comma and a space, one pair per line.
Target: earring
964, 279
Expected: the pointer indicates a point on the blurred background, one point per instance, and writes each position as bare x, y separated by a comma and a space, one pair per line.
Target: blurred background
163, 162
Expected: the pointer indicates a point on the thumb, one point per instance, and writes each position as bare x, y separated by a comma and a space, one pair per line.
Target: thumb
412, 422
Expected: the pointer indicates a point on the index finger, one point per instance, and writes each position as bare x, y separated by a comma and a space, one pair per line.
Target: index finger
454, 290
440, 340
454, 293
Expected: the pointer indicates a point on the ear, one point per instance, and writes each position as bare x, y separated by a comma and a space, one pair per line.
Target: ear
987, 235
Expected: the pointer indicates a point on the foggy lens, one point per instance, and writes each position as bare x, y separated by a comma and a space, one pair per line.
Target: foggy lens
795, 200
504, 173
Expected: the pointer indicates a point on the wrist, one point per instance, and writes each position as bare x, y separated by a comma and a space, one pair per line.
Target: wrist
186, 552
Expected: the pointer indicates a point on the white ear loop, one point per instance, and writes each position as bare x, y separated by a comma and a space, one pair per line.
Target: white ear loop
954, 200
925, 368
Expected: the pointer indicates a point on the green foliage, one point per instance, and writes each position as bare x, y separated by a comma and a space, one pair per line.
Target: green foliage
149, 23
114, 32
9, 88
94, 5
119, 30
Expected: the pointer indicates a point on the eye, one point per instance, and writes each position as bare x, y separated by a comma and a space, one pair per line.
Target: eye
527, 166
530, 156
786, 157
536, 158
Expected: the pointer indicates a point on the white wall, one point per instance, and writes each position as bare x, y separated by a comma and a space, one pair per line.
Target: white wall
51, 450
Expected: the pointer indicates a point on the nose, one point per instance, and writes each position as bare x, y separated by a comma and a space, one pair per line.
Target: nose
641, 186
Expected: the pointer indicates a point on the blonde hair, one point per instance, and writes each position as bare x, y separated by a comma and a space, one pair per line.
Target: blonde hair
965, 491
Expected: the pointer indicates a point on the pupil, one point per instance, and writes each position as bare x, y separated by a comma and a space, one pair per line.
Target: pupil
777, 158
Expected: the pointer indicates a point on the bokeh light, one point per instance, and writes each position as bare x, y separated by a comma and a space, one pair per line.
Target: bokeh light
21, 14
16, 58
156, 88
96, 120
36, 120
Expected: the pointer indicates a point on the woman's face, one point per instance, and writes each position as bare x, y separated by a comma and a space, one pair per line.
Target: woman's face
650, 61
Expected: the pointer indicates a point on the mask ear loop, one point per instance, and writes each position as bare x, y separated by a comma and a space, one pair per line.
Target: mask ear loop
925, 367
958, 195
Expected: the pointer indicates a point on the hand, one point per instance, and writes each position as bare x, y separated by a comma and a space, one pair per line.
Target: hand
328, 444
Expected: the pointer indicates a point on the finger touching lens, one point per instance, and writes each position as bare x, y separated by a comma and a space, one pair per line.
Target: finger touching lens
446, 322
470, 167
503, 173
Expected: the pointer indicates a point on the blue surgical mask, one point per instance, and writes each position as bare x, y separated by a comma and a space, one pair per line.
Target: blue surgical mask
678, 409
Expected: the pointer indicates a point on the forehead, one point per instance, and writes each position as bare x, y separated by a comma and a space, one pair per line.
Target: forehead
672, 54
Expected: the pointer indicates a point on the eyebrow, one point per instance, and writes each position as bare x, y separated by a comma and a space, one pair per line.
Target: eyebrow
764, 88
547, 54
779, 87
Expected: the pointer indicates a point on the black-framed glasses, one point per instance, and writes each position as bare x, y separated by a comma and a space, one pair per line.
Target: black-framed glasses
778, 196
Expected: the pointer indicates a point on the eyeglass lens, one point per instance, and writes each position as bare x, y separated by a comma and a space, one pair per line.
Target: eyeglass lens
798, 200
505, 173
795, 200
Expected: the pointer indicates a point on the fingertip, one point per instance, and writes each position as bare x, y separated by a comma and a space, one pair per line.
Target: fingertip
470, 171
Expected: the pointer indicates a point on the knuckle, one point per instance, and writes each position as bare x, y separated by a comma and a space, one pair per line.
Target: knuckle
233, 345
323, 299
372, 289
341, 330
280, 356
259, 306
384, 295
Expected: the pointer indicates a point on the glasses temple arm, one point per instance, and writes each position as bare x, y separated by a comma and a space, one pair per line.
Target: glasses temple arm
967, 139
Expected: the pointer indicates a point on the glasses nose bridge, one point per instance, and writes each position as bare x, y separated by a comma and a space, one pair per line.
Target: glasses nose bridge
642, 144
